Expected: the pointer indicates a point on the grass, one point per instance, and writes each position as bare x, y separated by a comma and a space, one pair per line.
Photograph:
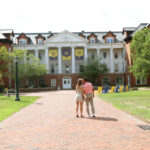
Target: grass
9, 106
136, 103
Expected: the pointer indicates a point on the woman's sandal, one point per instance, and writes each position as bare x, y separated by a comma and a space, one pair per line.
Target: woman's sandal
77, 116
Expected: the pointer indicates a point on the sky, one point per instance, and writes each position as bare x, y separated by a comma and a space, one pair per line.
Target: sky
72, 15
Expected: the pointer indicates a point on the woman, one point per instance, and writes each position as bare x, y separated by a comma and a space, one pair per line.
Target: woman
79, 97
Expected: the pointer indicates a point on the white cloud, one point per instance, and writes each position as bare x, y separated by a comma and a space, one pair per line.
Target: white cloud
58, 15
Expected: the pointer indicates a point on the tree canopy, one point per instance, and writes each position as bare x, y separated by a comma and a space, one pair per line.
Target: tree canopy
140, 54
93, 69
29, 66
5, 59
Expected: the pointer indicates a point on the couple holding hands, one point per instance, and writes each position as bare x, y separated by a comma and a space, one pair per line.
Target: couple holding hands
84, 92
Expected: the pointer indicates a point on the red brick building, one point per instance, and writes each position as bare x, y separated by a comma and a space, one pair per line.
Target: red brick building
65, 53
129, 32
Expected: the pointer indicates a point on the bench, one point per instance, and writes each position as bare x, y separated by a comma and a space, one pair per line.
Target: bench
10, 92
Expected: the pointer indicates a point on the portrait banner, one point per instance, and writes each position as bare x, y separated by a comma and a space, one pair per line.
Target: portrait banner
66, 54
53, 54
79, 53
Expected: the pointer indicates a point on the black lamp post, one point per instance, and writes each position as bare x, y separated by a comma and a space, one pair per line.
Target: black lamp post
17, 85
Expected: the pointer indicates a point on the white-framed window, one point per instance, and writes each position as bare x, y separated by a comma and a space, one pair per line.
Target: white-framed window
119, 80
53, 82
92, 40
110, 40
31, 83
40, 41
22, 41
105, 81
11, 37
42, 82
104, 55
116, 67
141, 81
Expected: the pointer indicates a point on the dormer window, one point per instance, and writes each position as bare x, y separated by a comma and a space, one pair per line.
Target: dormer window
11, 37
40, 41
22, 41
110, 37
110, 40
92, 40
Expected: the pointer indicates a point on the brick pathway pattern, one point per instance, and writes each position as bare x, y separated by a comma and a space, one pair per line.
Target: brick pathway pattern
50, 124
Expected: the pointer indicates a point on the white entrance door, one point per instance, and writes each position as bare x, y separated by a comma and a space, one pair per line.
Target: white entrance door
66, 83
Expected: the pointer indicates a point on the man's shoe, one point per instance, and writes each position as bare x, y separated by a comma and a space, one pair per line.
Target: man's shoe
93, 115
88, 116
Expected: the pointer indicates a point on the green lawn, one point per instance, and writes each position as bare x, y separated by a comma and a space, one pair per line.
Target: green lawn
8, 105
136, 103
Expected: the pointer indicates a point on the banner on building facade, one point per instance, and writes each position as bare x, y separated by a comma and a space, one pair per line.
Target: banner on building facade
66, 54
53, 54
79, 53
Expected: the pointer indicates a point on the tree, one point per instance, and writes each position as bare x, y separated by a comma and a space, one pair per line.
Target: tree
93, 69
29, 67
5, 60
140, 54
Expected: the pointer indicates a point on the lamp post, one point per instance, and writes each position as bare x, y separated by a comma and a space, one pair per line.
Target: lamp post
17, 85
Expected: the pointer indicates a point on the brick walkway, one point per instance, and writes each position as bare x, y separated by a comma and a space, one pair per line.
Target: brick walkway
50, 124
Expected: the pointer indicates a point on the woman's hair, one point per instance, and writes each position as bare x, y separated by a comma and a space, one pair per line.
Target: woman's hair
79, 83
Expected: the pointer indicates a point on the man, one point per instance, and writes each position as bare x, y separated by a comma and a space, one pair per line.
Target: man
89, 94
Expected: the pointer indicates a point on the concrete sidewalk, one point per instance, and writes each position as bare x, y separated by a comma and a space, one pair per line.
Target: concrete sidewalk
50, 124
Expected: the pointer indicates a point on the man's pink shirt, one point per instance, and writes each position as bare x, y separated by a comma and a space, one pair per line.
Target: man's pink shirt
88, 88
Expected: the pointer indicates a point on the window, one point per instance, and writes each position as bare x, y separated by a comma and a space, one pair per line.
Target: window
116, 67
11, 37
122, 55
22, 41
116, 55
40, 41
81, 68
119, 81
52, 69
93, 56
31, 83
67, 69
42, 82
105, 81
40, 55
92, 40
53, 82
110, 40
141, 81
104, 55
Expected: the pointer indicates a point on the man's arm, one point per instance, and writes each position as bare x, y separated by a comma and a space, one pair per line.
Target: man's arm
93, 90
93, 93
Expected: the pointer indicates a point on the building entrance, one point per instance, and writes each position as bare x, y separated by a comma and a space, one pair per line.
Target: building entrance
66, 83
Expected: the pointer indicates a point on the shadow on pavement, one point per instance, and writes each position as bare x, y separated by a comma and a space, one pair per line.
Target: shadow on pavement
103, 118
